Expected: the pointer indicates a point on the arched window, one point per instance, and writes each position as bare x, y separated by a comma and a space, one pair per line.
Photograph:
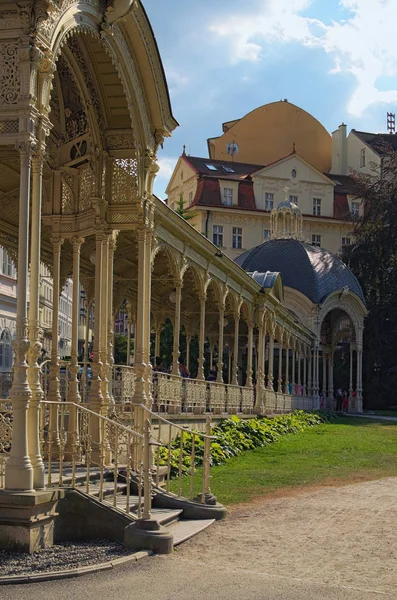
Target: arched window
5, 350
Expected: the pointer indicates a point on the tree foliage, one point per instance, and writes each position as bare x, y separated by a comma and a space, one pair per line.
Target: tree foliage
373, 259
182, 211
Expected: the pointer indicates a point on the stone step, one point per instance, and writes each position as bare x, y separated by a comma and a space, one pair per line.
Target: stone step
185, 529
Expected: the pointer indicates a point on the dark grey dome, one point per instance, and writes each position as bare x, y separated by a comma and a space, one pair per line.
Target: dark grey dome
313, 271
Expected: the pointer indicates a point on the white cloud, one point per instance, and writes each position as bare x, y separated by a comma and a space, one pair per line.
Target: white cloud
363, 44
167, 166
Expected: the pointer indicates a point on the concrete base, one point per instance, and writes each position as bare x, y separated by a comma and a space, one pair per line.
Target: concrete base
149, 535
27, 520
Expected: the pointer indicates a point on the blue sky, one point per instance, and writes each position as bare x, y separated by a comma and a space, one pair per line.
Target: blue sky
336, 59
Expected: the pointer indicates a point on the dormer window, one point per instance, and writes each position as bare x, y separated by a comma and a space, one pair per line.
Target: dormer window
228, 197
211, 167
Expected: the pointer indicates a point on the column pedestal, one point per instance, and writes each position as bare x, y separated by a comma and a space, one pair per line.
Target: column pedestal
27, 520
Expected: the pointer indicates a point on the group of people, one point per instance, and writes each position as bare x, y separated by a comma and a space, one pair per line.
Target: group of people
342, 400
159, 368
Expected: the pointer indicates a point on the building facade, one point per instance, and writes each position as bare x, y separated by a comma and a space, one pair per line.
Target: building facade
232, 200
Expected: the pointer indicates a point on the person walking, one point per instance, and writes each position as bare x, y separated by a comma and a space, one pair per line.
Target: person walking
339, 400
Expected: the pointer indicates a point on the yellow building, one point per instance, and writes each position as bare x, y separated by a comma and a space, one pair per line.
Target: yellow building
276, 152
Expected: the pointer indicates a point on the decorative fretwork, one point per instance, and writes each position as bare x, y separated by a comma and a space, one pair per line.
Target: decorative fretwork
216, 397
247, 400
233, 399
195, 396
76, 123
10, 84
9, 126
86, 187
67, 194
5, 436
125, 181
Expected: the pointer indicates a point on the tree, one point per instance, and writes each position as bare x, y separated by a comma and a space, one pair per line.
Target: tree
373, 259
182, 211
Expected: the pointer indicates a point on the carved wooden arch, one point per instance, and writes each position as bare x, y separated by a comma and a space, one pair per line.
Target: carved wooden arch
246, 311
173, 257
350, 304
113, 40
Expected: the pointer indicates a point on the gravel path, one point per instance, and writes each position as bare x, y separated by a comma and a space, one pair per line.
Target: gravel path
61, 557
330, 543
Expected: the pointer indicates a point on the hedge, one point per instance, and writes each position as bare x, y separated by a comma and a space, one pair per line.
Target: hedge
234, 435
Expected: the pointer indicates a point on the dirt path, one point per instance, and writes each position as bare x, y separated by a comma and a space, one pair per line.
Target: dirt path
332, 543
344, 536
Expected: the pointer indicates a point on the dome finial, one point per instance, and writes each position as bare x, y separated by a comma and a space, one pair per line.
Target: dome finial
286, 220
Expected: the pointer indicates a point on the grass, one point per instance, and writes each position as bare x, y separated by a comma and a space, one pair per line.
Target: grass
386, 413
343, 451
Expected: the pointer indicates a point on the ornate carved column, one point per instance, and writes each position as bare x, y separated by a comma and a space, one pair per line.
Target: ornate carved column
177, 327
103, 337
54, 392
234, 380
331, 378
359, 407
142, 331
95, 395
287, 366
74, 393
219, 376
250, 343
128, 357
200, 374
34, 324
271, 362
305, 392
260, 384
324, 385
309, 375
280, 367
112, 249
158, 340
18, 471
293, 370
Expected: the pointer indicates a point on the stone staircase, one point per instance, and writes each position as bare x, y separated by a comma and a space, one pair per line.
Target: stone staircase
107, 503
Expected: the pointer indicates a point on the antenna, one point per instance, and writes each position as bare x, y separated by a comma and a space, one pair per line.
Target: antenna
232, 149
391, 122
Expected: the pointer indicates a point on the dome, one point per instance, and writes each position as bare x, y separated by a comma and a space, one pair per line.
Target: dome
287, 204
313, 271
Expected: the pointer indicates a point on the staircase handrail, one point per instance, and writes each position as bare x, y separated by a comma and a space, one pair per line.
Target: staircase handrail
181, 427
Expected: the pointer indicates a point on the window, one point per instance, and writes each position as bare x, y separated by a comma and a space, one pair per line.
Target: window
228, 196
355, 209
269, 201
345, 242
266, 234
181, 174
293, 199
316, 207
190, 197
316, 240
217, 235
362, 157
5, 350
211, 167
237, 241
227, 169
7, 266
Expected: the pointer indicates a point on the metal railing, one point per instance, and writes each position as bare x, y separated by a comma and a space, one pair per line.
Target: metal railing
181, 451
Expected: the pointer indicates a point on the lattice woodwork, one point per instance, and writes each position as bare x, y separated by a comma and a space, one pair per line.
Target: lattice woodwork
125, 181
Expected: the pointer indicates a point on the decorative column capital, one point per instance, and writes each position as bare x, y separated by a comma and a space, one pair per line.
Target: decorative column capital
57, 243
77, 243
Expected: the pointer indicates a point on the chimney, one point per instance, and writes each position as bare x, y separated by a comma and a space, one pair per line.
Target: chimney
339, 151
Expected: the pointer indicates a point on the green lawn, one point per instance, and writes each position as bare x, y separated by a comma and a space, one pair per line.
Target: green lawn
344, 451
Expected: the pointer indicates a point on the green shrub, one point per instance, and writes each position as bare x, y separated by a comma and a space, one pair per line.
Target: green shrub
233, 436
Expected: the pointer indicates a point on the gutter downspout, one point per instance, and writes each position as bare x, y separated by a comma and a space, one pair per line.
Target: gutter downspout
206, 223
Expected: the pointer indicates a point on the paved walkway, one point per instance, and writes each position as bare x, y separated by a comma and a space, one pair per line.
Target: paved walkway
330, 543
